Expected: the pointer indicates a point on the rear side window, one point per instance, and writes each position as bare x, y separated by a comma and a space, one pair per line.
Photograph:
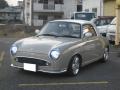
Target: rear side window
89, 28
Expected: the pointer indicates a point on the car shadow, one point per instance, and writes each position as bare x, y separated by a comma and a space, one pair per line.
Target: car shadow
62, 75
92, 66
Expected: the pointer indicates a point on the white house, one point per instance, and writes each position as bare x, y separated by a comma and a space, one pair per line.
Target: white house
38, 12
10, 14
93, 6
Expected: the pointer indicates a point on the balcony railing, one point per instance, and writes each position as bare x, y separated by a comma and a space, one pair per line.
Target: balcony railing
49, 7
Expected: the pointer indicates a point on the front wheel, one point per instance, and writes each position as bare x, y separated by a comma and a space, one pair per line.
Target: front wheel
74, 66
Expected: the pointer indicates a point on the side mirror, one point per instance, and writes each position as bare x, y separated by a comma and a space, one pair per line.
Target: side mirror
103, 34
88, 34
37, 31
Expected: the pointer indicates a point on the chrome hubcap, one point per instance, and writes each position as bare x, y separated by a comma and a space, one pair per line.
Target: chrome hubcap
75, 65
106, 54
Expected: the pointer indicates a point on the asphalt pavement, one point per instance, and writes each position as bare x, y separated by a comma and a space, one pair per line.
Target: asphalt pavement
96, 76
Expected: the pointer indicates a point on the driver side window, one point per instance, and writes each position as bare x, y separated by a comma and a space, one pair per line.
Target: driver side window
89, 29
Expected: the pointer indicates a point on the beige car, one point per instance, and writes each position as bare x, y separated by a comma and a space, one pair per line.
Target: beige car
60, 46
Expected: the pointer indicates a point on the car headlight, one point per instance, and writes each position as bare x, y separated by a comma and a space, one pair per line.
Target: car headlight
13, 50
55, 54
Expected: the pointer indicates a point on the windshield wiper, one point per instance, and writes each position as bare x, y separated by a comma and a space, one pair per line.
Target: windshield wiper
47, 35
68, 36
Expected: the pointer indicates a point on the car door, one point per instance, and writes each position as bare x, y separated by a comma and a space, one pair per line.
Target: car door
92, 44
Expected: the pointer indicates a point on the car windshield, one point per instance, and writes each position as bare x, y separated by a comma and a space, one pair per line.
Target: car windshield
83, 16
61, 29
113, 21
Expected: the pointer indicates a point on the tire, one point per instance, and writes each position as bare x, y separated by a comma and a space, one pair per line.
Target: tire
111, 42
105, 57
74, 66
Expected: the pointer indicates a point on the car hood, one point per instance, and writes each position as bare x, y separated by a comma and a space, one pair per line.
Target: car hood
43, 44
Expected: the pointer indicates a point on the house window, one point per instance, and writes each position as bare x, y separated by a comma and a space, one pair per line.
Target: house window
58, 1
94, 10
40, 1
45, 1
28, 4
42, 17
79, 8
86, 10
34, 1
28, 14
80, 1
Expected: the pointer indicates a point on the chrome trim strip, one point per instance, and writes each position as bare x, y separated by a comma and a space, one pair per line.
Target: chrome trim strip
34, 58
89, 62
16, 66
42, 70
53, 71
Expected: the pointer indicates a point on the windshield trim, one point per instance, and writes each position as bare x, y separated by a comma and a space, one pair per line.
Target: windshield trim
43, 34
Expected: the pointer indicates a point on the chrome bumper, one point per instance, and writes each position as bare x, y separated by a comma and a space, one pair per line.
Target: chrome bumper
45, 71
48, 68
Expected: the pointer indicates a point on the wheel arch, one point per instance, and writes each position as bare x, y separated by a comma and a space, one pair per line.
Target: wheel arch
77, 54
69, 70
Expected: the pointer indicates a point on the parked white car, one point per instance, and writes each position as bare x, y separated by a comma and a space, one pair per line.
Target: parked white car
83, 16
111, 31
102, 23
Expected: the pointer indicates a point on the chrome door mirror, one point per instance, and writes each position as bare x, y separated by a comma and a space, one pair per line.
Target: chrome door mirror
88, 34
37, 31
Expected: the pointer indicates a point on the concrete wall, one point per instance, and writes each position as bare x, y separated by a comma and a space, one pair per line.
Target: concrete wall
69, 7
90, 4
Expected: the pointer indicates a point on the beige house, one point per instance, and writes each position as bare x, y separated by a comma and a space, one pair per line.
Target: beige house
109, 8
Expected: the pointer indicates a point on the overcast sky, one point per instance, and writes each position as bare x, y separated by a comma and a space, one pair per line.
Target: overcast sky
13, 2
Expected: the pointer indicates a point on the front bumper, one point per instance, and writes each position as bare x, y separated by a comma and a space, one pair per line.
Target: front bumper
45, 69
43, 65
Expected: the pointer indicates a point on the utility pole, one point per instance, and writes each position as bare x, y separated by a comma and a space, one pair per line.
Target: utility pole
117, 33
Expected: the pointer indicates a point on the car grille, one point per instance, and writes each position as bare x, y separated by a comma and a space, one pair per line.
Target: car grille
31, 61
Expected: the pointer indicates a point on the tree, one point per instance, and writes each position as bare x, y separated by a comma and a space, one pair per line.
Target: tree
3, 4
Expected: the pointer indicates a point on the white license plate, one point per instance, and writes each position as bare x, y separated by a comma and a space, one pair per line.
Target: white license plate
30, 67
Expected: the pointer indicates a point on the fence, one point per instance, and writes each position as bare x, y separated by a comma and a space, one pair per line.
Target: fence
17, 30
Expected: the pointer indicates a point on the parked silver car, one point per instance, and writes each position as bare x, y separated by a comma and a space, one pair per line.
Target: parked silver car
60, 46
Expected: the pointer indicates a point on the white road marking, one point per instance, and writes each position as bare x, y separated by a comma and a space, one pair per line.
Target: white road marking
2, 56
60, 84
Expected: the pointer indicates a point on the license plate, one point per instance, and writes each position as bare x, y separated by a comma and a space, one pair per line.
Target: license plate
30, 67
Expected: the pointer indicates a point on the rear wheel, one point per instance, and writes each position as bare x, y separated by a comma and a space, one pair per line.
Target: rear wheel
74, 66
105, 55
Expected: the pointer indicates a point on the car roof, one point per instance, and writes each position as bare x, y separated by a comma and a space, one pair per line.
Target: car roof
73, 21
